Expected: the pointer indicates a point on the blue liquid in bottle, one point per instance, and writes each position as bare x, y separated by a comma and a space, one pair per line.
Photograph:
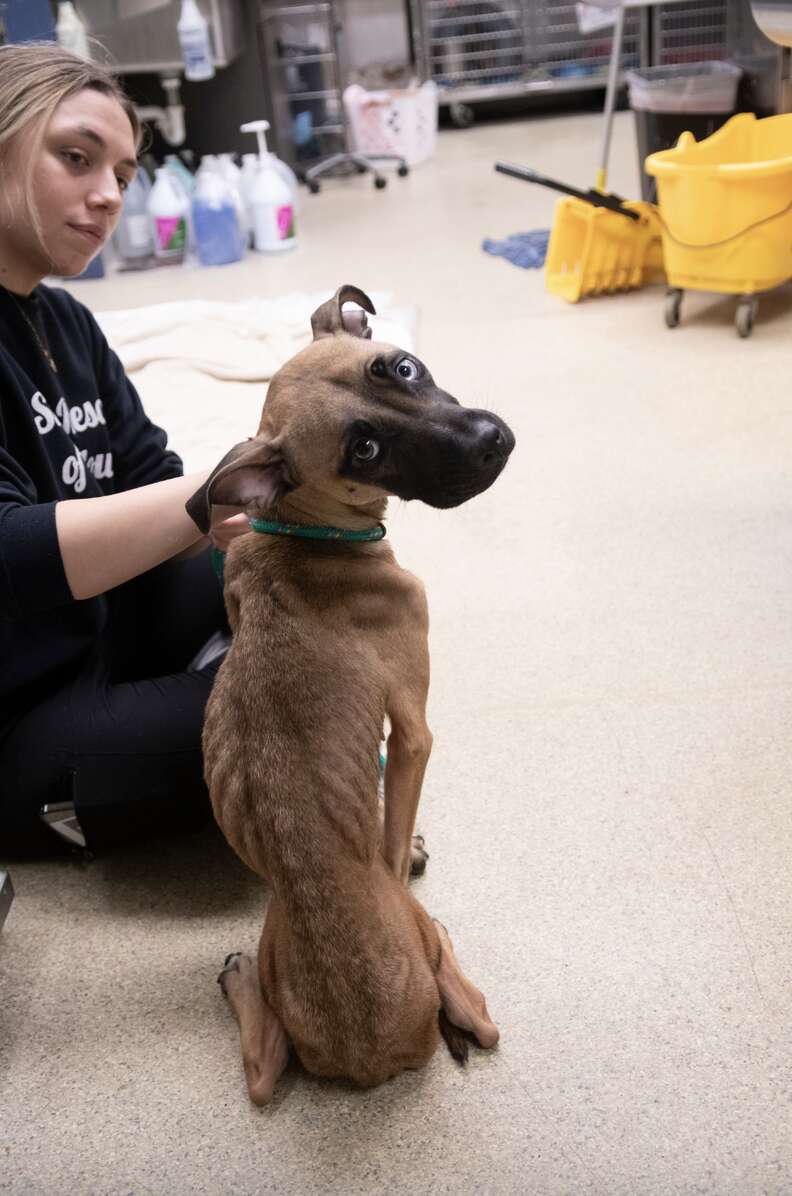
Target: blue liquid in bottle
217, 236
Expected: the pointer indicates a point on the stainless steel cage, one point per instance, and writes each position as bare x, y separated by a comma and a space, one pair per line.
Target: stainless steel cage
492, 49
694, 32
485, 49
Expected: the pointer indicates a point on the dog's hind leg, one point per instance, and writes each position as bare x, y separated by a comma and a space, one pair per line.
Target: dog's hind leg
464, 1006
265, 1047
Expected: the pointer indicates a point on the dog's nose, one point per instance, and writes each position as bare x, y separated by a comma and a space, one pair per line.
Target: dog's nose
491, 443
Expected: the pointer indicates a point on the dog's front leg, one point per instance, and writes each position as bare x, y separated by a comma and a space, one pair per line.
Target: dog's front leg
409, 747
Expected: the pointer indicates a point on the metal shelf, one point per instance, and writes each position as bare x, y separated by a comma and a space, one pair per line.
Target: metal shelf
303, 59
299, 46
478, 50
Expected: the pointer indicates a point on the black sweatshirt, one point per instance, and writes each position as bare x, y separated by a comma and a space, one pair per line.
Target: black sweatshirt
75, 433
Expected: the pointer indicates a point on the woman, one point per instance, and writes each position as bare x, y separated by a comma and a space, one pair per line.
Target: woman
106, 591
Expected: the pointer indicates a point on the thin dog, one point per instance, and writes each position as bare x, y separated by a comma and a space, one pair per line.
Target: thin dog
329, 640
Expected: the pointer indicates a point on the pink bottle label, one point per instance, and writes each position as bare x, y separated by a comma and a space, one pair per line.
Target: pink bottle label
171, 232
285, 222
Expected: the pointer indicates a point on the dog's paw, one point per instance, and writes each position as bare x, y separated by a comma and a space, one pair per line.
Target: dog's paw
234, 971
418, 856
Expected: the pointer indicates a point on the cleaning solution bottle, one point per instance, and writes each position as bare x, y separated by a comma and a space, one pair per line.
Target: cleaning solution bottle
181, 171
133, 236
219, 238
271, 199
168, 207
233, 177
70, 30
247, 182
194, 40
283, 168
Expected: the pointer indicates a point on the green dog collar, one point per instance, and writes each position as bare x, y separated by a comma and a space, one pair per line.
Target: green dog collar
271, 527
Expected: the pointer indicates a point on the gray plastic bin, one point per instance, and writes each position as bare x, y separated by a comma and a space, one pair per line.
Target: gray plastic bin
670, 100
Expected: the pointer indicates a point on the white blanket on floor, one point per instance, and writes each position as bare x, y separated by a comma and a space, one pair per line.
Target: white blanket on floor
199, 365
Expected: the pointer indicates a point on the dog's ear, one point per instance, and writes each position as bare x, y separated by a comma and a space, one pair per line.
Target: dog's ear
253, 471
331, 320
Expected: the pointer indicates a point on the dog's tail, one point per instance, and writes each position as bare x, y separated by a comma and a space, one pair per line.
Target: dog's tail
456, 1040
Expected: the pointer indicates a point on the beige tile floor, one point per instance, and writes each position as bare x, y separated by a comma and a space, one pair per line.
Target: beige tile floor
608, 804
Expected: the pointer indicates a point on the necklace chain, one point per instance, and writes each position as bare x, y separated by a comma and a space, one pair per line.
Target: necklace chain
43, 346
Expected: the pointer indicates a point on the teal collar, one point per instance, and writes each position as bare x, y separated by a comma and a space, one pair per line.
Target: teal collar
272, 527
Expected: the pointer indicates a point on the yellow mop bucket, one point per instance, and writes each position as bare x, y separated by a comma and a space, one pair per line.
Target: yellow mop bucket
599, 243
726, 211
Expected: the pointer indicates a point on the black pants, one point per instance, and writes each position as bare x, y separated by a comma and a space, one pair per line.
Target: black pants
122, 739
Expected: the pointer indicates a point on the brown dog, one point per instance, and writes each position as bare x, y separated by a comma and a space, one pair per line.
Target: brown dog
329, 639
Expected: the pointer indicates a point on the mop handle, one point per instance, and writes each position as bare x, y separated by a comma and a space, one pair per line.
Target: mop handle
597, 199
610, 94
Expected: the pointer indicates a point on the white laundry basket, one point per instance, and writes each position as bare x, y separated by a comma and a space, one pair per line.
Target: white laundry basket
402, 121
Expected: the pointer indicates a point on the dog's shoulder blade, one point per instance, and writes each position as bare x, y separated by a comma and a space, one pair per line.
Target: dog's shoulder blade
407, 596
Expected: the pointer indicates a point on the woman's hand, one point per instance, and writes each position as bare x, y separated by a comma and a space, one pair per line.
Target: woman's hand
227, 524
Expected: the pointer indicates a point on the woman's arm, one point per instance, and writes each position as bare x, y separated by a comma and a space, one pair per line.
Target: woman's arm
106, 541
227, 524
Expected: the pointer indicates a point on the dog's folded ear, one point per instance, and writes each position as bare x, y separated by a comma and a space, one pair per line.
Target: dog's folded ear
331, 320
253, 471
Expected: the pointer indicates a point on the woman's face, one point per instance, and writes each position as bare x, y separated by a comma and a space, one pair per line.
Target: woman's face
86, 161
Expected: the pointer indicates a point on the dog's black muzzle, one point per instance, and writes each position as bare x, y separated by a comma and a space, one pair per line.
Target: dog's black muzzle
453, 459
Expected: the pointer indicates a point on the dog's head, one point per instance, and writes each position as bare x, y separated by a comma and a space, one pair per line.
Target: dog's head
357, 421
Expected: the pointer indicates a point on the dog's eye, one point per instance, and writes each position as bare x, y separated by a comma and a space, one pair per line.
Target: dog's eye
378, 368
365, 450
407, 370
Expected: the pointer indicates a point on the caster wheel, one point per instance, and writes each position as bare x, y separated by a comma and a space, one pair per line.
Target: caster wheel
301, 177
380, 182
462, 115
403, 171
673, 304
360, 169
313, 186
745, 316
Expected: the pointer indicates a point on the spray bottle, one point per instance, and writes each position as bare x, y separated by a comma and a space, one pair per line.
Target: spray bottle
70, 30
194, 40
271, 199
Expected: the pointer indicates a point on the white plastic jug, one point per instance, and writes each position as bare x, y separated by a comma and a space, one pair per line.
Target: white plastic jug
272, 201
134, 238
232, 175
168, 207
179, 171
272, 209
219, 237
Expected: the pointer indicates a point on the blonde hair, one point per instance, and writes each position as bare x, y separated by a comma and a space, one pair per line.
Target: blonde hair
35, 77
